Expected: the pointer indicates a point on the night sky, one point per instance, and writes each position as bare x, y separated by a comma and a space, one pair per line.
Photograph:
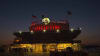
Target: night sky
16, 15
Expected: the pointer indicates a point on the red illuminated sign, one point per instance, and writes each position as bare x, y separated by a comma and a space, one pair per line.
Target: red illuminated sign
45, 27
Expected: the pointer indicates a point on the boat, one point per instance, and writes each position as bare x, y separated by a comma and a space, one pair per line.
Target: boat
45, 38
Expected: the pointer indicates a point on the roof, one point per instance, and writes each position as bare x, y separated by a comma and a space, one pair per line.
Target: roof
47, 37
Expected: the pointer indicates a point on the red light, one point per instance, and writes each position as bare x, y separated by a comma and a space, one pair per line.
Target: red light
35, 29
58, 27
43, 27
50, 27
39, 27
33, 23
53, 27
46, 27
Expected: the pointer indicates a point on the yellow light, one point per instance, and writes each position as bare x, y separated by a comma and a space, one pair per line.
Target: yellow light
38, 48
44, 30
32, 32
20, 32
46, 21
76, 47
71, 29
64, 45
57, 30
17, 40
25, 45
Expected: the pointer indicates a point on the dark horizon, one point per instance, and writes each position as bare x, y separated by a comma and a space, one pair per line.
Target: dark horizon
16, 15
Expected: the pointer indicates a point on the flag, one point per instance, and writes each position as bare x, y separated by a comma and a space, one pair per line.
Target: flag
33, 16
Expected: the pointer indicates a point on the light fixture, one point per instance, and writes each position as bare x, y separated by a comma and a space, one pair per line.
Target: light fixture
32, 31
57, 30
46, 21
71, 29
44, 30
20, 32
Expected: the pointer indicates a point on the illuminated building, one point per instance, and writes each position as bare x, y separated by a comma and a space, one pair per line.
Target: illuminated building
47, 36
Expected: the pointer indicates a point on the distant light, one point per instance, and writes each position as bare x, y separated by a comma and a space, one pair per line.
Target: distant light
57, 30
44, 30
17, 40
32, 31
71, 29
80, 28
20, 32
